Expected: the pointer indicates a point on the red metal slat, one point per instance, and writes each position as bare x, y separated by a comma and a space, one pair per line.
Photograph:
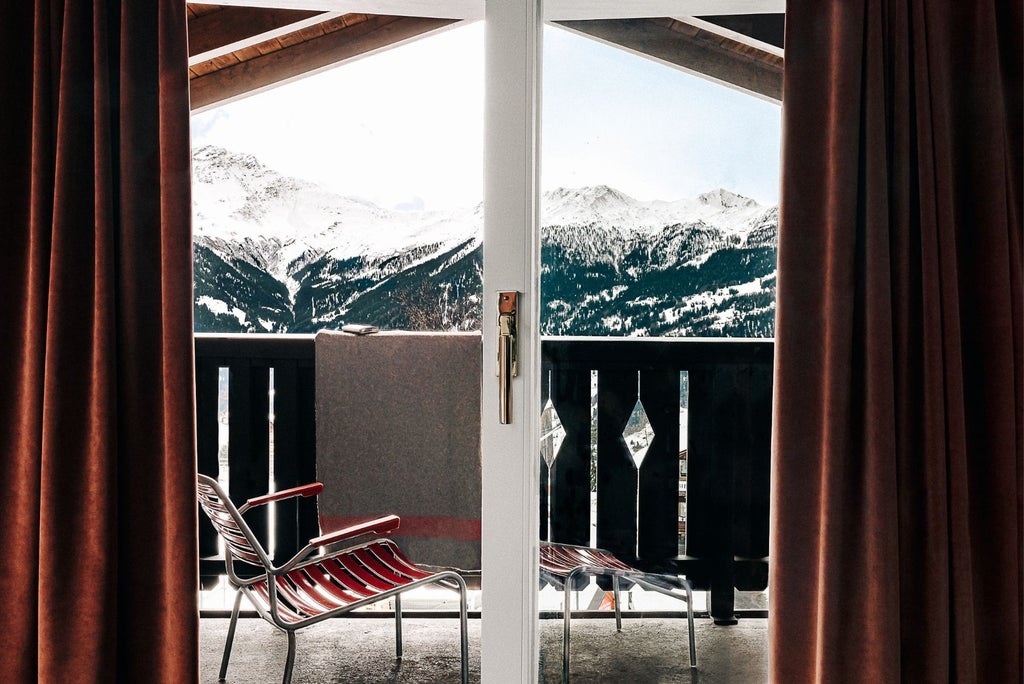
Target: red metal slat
232, 534
569, 556
368, 558
318, 590
297, 598
608, 560
345, 578
220, 516
240, 546
260, 589
246, 555
207, 491
325, 583
227, 526
283, 609
362, 574
401, 563
561, 559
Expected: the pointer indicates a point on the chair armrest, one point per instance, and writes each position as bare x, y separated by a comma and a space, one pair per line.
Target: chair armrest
311, 489
382, 525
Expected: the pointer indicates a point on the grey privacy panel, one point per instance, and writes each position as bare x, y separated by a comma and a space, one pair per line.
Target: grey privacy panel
398, 431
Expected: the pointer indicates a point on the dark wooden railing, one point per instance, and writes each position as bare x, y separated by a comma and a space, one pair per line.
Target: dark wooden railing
728, 456
729, 435
264, 430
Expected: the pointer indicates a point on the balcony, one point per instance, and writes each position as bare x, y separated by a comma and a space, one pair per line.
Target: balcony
695, 501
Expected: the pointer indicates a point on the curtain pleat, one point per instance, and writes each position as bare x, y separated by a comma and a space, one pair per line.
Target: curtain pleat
898, 524
97, 520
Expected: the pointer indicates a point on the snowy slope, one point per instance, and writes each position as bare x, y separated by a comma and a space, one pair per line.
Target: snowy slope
283, 254
235, 197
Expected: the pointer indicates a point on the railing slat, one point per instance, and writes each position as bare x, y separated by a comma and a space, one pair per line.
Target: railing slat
207, 378
570, 396
706, 489
249, 438
544, 481
714, 412
752, 466
305, 443
616, 473
286, 456
658, 528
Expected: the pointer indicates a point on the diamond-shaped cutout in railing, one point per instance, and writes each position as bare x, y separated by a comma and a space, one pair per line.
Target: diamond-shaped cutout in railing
638, 434
552, 434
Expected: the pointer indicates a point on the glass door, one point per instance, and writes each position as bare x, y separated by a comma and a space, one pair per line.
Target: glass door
653, 217
658, 221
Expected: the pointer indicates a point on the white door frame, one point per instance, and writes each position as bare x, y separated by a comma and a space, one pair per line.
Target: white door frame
511, 256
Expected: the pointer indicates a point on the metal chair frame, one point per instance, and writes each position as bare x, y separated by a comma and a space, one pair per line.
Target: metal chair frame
333, 574
561, 564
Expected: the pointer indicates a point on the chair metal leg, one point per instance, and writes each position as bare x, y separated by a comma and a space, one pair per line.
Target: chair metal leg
290, 662
464, 628
689, 619
398, 625
566, 616
231, 638
618, 606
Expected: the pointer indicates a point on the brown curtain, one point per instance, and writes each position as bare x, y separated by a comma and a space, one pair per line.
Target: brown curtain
897, 480
97, 515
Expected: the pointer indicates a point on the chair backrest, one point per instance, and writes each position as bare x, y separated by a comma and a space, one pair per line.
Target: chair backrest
233, 529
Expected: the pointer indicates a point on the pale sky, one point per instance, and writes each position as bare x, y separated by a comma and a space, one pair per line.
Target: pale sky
404, 128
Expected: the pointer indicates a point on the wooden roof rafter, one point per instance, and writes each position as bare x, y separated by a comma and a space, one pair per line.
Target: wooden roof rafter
554, 10
238, 50
298, 46
695, 46
219, 30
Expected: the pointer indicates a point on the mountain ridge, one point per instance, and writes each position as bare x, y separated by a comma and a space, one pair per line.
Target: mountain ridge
281, 254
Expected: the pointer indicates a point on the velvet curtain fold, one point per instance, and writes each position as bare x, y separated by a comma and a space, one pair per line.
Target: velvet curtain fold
97, 518
897, 543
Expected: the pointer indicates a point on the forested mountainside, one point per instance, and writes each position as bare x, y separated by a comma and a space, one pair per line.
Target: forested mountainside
279, 254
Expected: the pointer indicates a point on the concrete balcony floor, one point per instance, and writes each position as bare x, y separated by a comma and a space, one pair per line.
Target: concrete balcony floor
361, 649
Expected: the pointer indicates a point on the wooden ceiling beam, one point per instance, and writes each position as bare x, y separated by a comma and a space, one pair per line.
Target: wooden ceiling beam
580, 10
765, 29
226, 78
228, 29
434, 9
554, 10
738, 65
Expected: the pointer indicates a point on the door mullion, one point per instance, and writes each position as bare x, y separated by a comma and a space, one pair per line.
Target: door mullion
510, 515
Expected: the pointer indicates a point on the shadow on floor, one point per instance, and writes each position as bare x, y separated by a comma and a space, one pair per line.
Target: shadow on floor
362, 650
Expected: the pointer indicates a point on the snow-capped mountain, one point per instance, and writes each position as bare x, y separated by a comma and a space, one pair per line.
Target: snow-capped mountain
609, 208
274, 253
236, 199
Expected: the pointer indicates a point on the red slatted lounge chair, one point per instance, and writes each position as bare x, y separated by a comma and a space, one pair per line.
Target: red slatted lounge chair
322, 580
561, 564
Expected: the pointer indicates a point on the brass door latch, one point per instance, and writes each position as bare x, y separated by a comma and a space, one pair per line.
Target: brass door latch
508, 367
